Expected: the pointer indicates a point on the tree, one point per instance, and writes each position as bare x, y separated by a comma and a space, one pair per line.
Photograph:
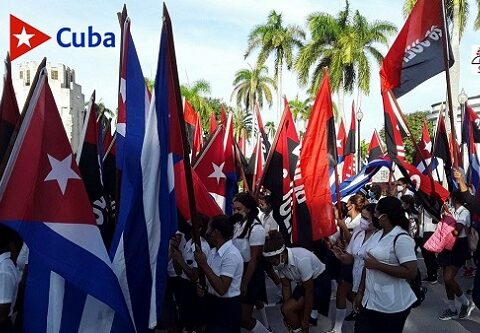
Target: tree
195, 94
300, 109
274, 38
242, 124
253, 86
344, 44
271, 129
149, 83
457, 12
415, 122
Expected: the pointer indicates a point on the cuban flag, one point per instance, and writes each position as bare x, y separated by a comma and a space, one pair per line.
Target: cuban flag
44, 199
140, 244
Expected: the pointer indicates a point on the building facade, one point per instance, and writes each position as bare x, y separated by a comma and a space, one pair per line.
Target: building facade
67, 93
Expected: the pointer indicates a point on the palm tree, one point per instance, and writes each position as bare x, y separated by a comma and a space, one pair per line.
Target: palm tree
271, 129
344, 45
300, 109
253, 86
457, 12
242, 124
149, 83
195, 95
274, 38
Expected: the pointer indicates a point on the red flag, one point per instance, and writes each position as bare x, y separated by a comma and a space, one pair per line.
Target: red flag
425, 145
194, 128
350, 144
375, 149
213, 123
265, 144
395, 127
278, 178
223, 116
9, 113
417, 53
341, 137
314, 164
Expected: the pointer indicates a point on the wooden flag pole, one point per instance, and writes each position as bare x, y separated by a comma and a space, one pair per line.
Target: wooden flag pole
446, 61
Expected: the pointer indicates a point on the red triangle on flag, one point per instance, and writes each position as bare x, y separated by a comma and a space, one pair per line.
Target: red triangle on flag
24, 37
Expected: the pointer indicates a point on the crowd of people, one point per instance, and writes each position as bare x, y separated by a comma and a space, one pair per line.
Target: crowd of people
371, 262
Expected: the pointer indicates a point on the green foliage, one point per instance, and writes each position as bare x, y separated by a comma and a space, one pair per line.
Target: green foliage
415, 122
274, 38
300, 109
270, 129
344, 44
253, 85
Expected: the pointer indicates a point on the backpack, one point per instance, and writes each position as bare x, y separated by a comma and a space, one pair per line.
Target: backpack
415, 283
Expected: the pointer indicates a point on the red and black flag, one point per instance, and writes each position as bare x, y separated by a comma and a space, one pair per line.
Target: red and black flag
417, 54
279, 174
9, 113
430, 193
350, 144
89, 163
318, 155
375, 149
395, 127
341, 137
441, 164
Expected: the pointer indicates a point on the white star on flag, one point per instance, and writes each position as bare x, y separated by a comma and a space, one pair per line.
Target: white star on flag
339, 143
428, 146
217, 172
61, 171
24, 38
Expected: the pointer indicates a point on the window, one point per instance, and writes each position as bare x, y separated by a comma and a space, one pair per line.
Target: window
27, 83
54, 74
21, 75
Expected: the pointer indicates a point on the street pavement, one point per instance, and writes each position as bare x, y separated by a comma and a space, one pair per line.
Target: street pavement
421, 319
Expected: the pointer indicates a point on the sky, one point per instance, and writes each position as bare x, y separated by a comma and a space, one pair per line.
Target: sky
210, 40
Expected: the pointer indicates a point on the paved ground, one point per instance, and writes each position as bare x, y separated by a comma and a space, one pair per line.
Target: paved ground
422, 319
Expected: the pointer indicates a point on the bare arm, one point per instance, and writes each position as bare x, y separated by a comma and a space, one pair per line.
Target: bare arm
179, 262
219, 283
308, 301
255, 255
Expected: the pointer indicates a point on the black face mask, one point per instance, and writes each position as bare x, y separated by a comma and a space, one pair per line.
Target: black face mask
235, 218
376, 222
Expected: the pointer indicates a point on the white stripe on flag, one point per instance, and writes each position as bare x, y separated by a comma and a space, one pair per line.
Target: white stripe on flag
55, 303
97, 317
150, 161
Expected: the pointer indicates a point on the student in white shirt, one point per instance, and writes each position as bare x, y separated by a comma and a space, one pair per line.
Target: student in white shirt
402, 188
223, 270
390, 260
249, 238
452, 261
354, 254
266, 217
304, 268
9, 278
190, 306
427, 228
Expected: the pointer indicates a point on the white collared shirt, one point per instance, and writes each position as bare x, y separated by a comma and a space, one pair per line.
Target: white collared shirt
462, 215
427, 222
353, 223
256, 238
188, 253
9, 278
227, 261
302, 265
268, 222
383, 292
357, 248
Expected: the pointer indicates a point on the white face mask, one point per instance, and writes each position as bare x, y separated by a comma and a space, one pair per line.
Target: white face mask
281, 264
364, 224
399, 188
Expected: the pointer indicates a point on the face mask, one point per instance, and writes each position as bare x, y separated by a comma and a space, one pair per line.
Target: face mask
281, 263
364, 224
399, 188
237, 217
265, 210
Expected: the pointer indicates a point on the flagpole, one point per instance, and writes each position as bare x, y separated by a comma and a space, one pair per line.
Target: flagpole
271, 151
446, 60
186, 155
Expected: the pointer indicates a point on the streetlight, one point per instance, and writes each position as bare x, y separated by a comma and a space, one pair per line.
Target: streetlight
462, 99
359, 116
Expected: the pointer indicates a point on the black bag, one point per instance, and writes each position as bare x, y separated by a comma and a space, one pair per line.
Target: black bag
416, 283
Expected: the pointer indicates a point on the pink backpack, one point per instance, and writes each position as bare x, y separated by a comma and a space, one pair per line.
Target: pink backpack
442, 238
